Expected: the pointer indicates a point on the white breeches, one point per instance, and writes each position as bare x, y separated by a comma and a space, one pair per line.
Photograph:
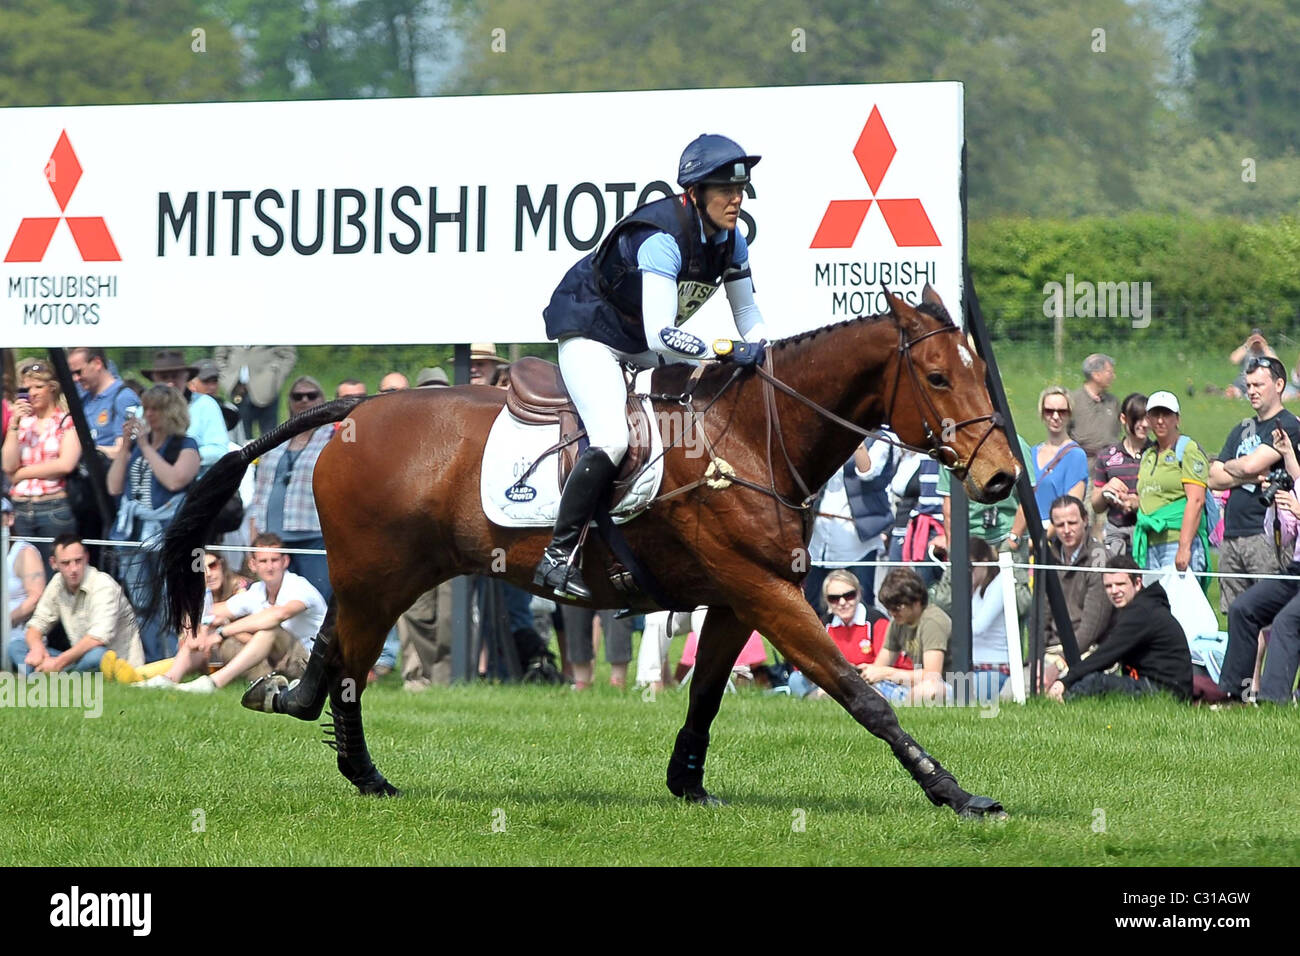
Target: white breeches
594, 377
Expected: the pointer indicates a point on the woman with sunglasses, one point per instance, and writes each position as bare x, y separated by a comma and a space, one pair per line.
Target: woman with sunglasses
282, 498
40, 450
852, 627
1060, 464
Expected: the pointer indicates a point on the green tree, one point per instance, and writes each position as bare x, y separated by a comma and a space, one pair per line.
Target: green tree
78, 52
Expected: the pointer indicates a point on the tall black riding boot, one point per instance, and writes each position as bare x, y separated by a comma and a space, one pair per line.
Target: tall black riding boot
592, 475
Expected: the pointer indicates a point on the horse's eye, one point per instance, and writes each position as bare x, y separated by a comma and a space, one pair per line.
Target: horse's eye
938, 380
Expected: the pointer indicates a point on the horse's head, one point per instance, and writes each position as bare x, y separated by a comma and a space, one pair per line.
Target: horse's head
941, 402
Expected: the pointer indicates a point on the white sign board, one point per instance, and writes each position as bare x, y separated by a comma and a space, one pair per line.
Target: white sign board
450, 219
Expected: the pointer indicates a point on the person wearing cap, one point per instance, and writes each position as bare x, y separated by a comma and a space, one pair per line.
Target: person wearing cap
483, 363
1172, 477
626, 301
207, 424
105, 400
208, 382
1249, 452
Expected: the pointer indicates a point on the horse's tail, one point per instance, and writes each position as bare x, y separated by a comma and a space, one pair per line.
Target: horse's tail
176, 563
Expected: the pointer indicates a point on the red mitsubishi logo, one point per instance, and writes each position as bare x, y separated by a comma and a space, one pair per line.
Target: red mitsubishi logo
90, 233
906, 218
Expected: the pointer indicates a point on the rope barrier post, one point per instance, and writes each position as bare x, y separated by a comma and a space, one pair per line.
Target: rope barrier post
1012, 620
4, 597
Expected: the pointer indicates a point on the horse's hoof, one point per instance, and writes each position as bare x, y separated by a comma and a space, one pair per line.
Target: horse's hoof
982, 808
261, 694
702, 797
379, 788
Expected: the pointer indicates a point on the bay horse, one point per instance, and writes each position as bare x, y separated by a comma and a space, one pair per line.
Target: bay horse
397, 491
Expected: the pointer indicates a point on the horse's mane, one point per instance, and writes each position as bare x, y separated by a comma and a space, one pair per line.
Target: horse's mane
936, 312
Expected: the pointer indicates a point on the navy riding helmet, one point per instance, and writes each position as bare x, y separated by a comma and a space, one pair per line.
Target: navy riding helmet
714, 159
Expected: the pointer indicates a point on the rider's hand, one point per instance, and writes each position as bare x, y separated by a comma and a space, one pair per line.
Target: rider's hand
740, 353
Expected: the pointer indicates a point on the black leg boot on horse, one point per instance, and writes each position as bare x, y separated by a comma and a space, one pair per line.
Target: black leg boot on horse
592, 475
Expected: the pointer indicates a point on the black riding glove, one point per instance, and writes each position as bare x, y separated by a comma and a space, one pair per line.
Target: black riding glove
741, 353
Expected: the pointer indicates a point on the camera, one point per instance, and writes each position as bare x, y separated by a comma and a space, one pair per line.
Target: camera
1277, 479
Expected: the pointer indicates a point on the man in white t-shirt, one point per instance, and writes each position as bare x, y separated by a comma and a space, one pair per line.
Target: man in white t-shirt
269, 627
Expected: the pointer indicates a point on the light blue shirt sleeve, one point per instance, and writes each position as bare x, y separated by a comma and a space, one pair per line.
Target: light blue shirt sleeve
659, 254
208, 428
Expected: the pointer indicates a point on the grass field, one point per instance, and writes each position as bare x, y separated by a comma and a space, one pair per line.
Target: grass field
578, 779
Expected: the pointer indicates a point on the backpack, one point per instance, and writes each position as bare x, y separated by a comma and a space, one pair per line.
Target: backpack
1213, 510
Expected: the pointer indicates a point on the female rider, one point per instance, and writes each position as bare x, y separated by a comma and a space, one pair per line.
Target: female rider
624, 303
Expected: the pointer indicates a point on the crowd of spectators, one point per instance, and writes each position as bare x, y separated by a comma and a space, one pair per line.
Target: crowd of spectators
1118, 485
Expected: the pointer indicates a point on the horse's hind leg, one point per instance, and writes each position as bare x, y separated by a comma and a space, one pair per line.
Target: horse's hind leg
721, 640
360, 636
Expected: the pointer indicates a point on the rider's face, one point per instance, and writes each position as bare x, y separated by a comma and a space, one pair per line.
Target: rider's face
722, 203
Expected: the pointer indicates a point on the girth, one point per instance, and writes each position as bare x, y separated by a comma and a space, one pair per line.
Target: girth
537, 396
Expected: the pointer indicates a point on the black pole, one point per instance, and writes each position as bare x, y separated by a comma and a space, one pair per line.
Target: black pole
960, 646
463, 665
94, 467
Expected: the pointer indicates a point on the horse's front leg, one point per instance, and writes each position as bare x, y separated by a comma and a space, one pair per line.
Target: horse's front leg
800, 636
721, 640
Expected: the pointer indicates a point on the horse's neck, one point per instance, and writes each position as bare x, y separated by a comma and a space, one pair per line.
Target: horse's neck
847, 370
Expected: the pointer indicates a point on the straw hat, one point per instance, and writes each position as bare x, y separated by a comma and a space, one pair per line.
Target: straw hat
486, 352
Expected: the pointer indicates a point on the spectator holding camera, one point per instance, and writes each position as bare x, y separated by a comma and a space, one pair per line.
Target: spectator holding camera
1172, 475
41, 449
1248, 454
155, 465
1115, 476
1272, 603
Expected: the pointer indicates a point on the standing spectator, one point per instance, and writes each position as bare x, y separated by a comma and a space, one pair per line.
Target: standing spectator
394, 382
1094, 422
1248, 547
853, 514
918, 515
207, 424
26, 574
207, 382
252, 375
1273, 603
105, 398
1172, 476
1255, 347
580, 640
1146, 641
1115, 476
483, 362
40, 450
1060, 464
94, 612
350, 386
283, 503
155, 465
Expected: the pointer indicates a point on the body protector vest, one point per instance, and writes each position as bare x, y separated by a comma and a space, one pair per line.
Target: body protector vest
600, 296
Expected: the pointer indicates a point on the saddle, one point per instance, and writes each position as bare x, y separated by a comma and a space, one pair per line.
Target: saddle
537, 396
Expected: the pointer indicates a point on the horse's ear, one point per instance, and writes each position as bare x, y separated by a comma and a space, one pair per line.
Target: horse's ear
902, 312
896, 305
930, 297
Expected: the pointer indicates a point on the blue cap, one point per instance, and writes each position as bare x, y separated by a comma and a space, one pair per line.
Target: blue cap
714, 159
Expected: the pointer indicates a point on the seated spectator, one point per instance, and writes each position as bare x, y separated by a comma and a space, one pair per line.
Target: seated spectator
40, 450
207, 424
852, 628
95, 615
1115, 476
26, 574
269, 627
990, 658
283, 503
852, 516
1060, 463
157, 462
918, 630
1090, 609
1172, 476
1274, 604
1146, 641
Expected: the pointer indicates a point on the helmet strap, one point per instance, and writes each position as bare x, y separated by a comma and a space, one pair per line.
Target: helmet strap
702, 209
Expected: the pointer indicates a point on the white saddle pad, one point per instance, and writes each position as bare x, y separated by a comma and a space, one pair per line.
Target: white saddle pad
512, 446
